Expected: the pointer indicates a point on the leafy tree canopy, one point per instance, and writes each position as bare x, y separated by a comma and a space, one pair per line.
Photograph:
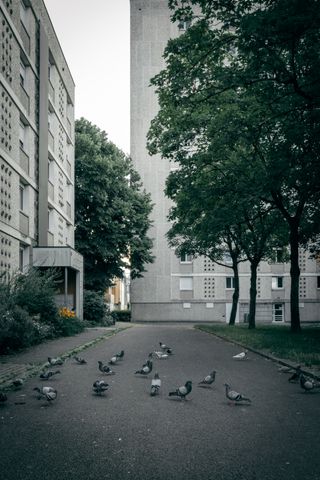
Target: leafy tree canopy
112, 212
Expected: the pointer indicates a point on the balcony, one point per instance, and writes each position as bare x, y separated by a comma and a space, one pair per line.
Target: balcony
51, 141
69, 129
68, 209
51, 190
68, 168
25, 100
50, 239
24, 223
24, 161
51, 92
25, 37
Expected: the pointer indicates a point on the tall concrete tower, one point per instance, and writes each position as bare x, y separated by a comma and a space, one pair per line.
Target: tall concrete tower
187, 289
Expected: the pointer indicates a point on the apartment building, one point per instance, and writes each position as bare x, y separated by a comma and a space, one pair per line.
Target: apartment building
37, 149
187, 289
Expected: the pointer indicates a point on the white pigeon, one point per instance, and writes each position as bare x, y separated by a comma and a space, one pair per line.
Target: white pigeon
155, 385
161, 355
234, 396
307, 383
241, 355
55, 361
48, 393
113, 360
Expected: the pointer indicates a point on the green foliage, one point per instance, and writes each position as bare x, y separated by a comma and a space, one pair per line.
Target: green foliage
239, 112
121, 315
274, 339
67, 327
112, 215
95, 310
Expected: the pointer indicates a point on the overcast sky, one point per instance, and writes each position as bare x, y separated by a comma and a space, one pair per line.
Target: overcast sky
95, 39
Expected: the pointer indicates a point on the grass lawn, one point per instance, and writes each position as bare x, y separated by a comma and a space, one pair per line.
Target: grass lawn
276, 340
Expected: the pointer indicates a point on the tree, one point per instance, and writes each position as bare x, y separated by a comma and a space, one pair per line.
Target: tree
112, 212
261, 62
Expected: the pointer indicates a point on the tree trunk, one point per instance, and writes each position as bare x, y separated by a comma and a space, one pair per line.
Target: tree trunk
295, 276
253, 294
235, 296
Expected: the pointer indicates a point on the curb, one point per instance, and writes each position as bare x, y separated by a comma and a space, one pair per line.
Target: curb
262, 354
33, 370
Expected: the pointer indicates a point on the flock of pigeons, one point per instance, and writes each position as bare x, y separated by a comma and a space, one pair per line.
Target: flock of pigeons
99, 387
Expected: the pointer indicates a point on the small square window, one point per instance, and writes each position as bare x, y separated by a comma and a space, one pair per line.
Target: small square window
185, 258
277, 282
186, 283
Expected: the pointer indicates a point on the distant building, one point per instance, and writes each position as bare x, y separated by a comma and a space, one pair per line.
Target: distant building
186, 289
37, 149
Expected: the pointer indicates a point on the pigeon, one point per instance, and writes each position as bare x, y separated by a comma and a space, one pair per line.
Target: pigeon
161, 355
209, 379
17, 382
165, 348
241, 355
155, 385
80, 360
120, 354
55, 361
234, 396
105, 369
307, 383
113, 360
100, 386
183, 391
3, 397
48, 393
285, 369
296, 375
146, 368
48, 374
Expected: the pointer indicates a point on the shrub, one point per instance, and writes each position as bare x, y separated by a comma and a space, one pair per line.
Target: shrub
95, 309
68, 326
121, 315
16, 330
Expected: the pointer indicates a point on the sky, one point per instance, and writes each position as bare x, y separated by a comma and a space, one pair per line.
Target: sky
95, 39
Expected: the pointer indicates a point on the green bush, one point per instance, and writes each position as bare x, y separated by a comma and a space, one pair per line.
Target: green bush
16, 330
67, 326
121, 315
95, 309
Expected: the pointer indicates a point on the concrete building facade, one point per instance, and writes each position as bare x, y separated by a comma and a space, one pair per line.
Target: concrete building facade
37, 149
186, 289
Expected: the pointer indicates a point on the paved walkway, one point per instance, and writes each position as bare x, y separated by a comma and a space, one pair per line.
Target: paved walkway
32, 360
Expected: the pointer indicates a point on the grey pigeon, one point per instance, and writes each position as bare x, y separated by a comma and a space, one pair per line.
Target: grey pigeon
155, 385
165, 348
307, 383
183, 391
49, 393
100, 387
209, 379
120, 354
55, 361
241, 355
80, 360
48, 374
105, 369
296, 375
146, 368
234, 396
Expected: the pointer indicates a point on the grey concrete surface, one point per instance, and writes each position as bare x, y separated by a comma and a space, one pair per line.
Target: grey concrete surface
126, 434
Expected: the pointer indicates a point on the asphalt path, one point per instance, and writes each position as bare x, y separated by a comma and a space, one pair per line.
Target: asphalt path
127, 434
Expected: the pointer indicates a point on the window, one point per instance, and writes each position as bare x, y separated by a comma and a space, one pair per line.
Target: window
277, 282
229, 282
23, 256
186, 283
279, 255
183, 25
185, 258
22, 135
227, 257
21, 197
318, 282
21, 263
278, 312
24, 14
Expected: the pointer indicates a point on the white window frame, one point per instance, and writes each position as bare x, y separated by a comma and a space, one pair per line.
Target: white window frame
185, 258
231, 281
186, 284
277, 307
275, 283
